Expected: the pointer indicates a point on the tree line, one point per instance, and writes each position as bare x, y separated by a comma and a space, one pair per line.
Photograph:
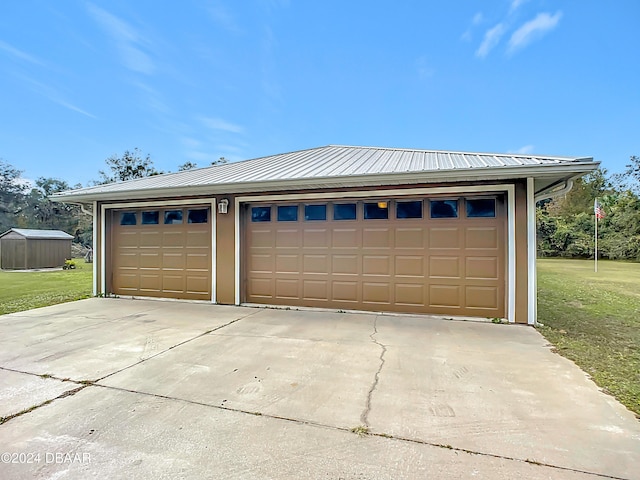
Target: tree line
565, 226
23, 205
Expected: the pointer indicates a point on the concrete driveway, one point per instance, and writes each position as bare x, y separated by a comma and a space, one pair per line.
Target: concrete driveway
115, 388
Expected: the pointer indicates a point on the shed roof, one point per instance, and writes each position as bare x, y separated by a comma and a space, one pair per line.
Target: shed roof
40, 234
340, 166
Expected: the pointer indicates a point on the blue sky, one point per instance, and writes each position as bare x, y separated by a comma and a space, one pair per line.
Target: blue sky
195, 80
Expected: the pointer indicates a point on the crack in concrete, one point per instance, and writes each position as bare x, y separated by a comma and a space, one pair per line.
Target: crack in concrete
177, 345
364, 417
370, 434
86, 383
68, 393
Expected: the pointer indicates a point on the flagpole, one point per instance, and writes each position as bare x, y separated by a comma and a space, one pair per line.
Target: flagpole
596, 252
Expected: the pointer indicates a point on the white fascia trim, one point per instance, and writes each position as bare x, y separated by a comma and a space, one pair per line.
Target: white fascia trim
511, 235
196, 201
94, 246
214, 250
374, 193
103, 249
356, 181
532, 294
511, 222
236, 213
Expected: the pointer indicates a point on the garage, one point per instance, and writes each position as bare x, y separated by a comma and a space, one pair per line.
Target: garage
441, 255
341, 227
162, 252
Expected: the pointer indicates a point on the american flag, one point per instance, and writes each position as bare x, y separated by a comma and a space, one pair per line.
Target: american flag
598, 210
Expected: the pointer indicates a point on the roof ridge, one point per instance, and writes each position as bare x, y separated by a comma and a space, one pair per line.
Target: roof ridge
459, 152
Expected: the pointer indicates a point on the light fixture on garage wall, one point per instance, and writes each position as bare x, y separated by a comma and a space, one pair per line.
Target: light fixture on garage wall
222, 205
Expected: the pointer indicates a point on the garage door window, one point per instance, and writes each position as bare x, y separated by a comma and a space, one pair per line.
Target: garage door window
344, 211
260, 214
197, 216
481, 207
315, 212
409, 209
444, 208
288, 213
172, 217
376, 211
128, 218
151, 218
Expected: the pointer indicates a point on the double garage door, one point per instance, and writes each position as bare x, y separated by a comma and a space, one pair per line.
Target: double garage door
424, 255
162, 252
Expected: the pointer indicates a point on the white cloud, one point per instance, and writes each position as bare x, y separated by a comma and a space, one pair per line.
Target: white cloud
223, 17
527, 149
477, 18
515, 4
219, 124
533, 29
53, 95
127, 39
19, 54
424, 69
491, 39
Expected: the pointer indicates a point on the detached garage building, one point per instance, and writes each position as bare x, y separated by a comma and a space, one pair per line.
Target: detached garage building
22, 249
379, 229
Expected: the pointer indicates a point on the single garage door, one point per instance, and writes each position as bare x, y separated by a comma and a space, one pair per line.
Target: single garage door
162, 252
424, 255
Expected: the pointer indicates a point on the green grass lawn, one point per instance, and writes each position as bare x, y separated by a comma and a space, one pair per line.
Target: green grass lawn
594, 320
25, 290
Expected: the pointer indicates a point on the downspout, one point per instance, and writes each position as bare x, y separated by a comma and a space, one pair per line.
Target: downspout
86, 212
568, 185
533, 278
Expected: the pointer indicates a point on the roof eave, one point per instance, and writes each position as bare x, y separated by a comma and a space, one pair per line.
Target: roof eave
458, 175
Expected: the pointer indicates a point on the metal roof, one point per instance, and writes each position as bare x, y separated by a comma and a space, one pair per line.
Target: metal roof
335, 166
40, 234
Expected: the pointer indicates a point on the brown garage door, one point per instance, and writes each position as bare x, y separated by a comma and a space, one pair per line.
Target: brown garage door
162, 252
427, 255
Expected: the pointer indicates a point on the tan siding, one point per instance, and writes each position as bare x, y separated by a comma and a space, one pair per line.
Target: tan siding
14, 252
225, 259
20, 253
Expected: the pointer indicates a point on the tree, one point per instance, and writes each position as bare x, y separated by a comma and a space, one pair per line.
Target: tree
187, 166
566, 225
131, 165
633, 171
11, 196
220, 161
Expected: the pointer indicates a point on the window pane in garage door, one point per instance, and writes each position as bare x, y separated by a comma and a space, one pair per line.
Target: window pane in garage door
315, 212
172, 217
481, 207
409, 209
288, 213
197, 216
261, 214
127, 218
376, 210
151, 218
344, 211
444, 208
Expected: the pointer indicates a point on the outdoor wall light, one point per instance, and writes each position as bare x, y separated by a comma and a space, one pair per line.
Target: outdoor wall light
222, 205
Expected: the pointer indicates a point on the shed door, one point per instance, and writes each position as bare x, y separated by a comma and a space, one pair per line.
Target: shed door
162, 252
424, 255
